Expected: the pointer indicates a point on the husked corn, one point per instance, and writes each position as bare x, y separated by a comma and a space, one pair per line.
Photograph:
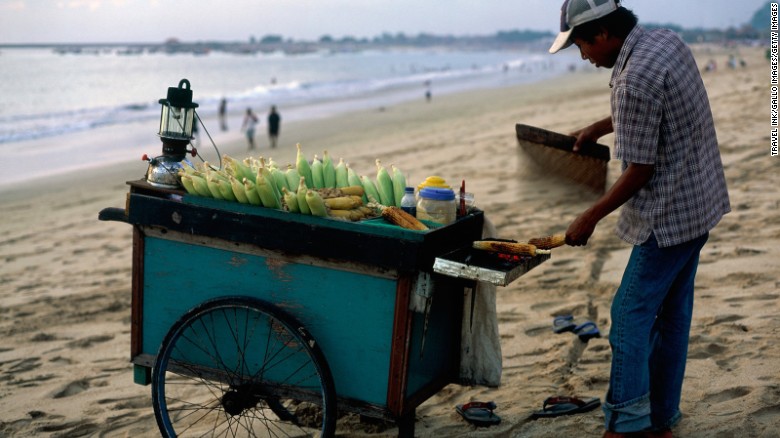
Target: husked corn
549, 242
397, 216
508, 247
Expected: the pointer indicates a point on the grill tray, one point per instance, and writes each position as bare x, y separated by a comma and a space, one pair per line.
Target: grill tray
486, 266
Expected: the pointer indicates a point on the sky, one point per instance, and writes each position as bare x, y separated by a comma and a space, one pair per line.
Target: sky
118, 21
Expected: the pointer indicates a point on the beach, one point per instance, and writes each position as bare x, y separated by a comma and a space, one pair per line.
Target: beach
66, 277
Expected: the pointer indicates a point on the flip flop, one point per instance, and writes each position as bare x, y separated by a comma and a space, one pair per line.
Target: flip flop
479, 413
559, 405
587, 331
563, 323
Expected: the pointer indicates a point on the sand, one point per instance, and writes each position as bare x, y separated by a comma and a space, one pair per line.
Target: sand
65, 276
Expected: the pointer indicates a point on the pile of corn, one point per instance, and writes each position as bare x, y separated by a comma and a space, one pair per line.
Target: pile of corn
318, 187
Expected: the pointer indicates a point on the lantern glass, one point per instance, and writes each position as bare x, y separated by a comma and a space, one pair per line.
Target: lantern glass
176, 123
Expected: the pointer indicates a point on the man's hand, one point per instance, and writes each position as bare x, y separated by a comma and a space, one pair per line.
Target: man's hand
581, 229
592, 133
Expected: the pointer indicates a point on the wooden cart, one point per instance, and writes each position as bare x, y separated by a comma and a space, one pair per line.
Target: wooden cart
259, 322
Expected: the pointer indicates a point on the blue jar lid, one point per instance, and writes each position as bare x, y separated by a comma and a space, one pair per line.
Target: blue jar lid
437, 194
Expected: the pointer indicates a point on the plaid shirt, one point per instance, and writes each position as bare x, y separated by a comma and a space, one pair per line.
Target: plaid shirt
661, 116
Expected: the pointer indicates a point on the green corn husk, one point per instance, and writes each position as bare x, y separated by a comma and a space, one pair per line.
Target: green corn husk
370, 190
342, 179
200, 185
328, 171
303, 206
293, 177
226, 190
186, 181
266, 192
251, 192
316, 204
399, 184
291, 200
239, 191
280, 180
303, 167
384, 185
317, 173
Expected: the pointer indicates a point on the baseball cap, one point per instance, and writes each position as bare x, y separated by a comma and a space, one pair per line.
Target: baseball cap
576, 12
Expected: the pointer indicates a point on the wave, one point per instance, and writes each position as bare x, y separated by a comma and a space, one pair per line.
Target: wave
16, 128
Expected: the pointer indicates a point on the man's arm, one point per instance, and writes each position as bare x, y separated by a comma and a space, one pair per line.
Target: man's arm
630, 182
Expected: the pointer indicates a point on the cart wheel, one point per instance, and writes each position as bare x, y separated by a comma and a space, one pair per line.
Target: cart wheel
238, 366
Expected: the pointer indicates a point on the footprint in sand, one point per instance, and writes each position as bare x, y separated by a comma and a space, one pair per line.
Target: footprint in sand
88, 341
727, 395
72, 388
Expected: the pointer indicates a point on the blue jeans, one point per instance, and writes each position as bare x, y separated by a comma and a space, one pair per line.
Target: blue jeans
651, 319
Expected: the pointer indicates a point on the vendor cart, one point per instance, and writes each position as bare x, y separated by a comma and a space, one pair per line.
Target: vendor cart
260, 322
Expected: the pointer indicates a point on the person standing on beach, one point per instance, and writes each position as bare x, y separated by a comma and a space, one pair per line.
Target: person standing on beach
672, 191
223, 114
273, 126
250, 122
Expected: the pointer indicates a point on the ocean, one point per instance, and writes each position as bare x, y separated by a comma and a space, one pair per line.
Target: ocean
51, 100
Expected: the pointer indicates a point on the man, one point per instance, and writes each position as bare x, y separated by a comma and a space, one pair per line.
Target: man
273, 126
672, 191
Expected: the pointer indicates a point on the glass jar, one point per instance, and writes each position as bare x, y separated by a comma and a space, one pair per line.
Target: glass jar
437, 205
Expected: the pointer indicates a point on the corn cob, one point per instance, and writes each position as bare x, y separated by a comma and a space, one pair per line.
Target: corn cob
251, 192
508, 247
399, 185
384, 185
212, 186
403, 219
352, 177
341, 174
549, 242
186, 181
280, 180
352, 190
370, 189
239, 191
302, 165
328, 170
293, 178
266, 192
329, 192
290, 200
343, 202
269, 178
316, 173
200, 185
303, 206
316, 204
226, 190
354, 214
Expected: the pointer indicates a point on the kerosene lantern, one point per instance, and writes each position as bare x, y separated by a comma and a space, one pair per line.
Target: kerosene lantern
177, 117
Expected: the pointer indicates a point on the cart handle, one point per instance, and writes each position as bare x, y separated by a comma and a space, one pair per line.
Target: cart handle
113, 214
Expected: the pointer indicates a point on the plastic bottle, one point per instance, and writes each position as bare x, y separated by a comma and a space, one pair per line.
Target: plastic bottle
409, 202
437, 205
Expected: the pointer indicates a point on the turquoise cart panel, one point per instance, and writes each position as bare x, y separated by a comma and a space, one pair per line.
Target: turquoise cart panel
349, 314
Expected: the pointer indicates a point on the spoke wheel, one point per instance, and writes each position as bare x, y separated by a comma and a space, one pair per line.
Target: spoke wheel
238, 366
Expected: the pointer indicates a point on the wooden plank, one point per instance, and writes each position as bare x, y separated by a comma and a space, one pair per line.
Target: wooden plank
399, 356
137, 297
383, 247
553, 153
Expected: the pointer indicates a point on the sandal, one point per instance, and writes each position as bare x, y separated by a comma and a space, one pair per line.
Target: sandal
479, 413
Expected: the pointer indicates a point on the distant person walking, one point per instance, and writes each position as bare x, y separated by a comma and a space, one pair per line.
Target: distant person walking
250, 122
223, 114
273, 126
428, 95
